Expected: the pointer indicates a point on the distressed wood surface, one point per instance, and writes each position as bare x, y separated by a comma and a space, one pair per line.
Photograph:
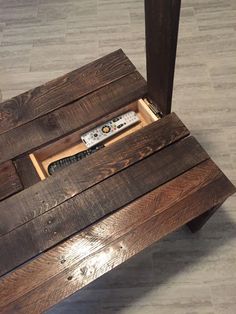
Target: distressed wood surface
10, 182
162, 24
72, 117
43, 39
71, 265
80, 176
26, 171
102, 199
61, 91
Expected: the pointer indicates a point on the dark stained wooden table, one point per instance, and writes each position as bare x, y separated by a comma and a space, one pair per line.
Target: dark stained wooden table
58, 233
95, 214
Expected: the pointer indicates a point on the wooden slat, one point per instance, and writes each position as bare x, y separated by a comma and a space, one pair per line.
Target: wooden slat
9, 180
104, 198
87, 172
162, 23
67, 119
26, 171
70, 266
61, 91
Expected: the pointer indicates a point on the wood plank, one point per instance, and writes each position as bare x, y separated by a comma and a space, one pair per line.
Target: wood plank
26, 171
80, 176
102, 199
9, 180
72, 251
71, 265
162, 23
63, 90
65, 120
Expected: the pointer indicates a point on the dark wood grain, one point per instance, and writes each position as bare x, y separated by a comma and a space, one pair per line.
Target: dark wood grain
72, 117
162, 23
61, 91
196, 224
91, 205
117, 224
9, 180
78, 177
117, 201
26, 171
71, 265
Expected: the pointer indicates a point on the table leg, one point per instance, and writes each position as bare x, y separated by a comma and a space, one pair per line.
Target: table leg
197, 223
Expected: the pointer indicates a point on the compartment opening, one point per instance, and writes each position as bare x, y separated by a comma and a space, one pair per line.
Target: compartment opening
72, 144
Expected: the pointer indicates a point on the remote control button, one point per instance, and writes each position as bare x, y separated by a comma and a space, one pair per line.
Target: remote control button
106, 129
95, 135
110, 128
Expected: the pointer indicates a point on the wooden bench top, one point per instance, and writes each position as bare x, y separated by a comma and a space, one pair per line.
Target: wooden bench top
59, 234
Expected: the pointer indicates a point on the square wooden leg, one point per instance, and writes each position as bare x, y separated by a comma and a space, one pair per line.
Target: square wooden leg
197, 223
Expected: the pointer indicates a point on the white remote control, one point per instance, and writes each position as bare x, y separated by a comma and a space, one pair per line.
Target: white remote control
110, 128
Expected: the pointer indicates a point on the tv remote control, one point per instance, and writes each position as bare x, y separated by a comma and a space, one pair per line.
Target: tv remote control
64, 162
110, 128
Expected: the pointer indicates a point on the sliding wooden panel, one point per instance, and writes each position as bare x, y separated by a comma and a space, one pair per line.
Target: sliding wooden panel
87, 172
61, 91
9, 180
162, 23
91, 205
71, 265
72, 117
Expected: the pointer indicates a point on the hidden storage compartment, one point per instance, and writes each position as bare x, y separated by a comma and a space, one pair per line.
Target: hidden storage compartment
72, 144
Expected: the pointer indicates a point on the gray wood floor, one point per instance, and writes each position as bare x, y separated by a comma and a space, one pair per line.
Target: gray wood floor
41, 39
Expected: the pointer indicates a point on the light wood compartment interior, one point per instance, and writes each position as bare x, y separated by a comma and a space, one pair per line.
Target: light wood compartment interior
72, 144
